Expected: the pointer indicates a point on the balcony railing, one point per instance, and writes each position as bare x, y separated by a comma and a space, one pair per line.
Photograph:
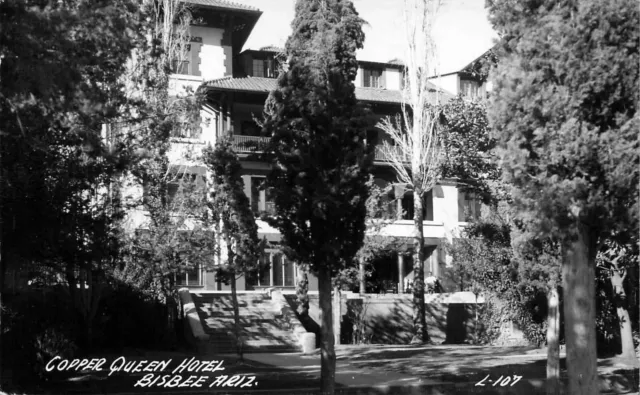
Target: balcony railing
256, 144
249, 143
380, 156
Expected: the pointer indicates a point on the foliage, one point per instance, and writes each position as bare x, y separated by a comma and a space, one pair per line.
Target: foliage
320, 163
57, 171
469, 148
320, 166
231, 216
127, 308
564, 114
375, 244
29, 344
417, 152
356, 314
513, 276
563, 110
164, 235
85, 86
49, 344
230, 212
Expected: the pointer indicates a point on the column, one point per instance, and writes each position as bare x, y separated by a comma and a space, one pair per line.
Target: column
400, 273
271, 269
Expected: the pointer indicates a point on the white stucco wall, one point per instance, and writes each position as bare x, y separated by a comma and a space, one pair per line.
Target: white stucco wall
450, 83
358, 81
392, 79
183, 85
213, 63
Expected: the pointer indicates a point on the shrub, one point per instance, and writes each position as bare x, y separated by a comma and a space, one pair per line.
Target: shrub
37, 325
133, 319
48, 344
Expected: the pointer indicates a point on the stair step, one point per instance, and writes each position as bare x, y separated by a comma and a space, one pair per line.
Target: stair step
263, 326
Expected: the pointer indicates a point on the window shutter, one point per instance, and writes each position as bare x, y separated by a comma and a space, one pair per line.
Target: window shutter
366, 75
461, 206
194, 57
478, 208
383, 79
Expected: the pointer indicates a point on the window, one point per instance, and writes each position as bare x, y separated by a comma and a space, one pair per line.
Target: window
261, 200
427, 206
470, 89
185, 186
258, 68
264, 68
262, 277
468, 207
188, 125
372, 137
372, 78
274, 266
283, 271
190, 277
190, 65
178, 67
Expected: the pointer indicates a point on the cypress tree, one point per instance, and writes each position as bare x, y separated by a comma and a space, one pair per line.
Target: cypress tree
320, 162
564, 114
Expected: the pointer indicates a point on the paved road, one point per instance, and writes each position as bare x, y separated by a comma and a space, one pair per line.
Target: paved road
365, 370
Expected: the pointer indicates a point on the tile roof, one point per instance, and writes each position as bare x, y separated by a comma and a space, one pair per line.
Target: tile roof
266, 85
223, 4
272, 48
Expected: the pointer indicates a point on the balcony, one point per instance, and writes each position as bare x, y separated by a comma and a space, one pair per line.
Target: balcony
248, 144
379, 155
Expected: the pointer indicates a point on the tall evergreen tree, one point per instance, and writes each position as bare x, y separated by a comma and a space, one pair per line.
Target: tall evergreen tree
234, 222
564, 114
56, 169
320, 163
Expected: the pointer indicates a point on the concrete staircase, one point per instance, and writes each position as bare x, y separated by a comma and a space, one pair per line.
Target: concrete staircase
264, 329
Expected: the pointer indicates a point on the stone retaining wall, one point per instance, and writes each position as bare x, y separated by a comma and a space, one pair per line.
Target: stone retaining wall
388, 318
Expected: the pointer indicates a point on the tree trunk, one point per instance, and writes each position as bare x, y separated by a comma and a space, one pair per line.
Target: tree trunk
578, 275
302, 290
476, 328
553, 342
236, 315
327, 351
337, 319
363, 284
622, 309
420, 334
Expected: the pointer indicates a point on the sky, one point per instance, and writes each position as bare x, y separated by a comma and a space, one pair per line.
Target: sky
462, 31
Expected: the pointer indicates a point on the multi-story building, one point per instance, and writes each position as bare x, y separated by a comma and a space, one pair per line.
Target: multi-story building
471, 80
237, 84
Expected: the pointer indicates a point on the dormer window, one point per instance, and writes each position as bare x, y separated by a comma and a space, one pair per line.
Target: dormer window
264, 68
372, 78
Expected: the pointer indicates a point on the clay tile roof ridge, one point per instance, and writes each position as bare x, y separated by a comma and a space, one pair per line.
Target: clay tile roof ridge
223, 4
